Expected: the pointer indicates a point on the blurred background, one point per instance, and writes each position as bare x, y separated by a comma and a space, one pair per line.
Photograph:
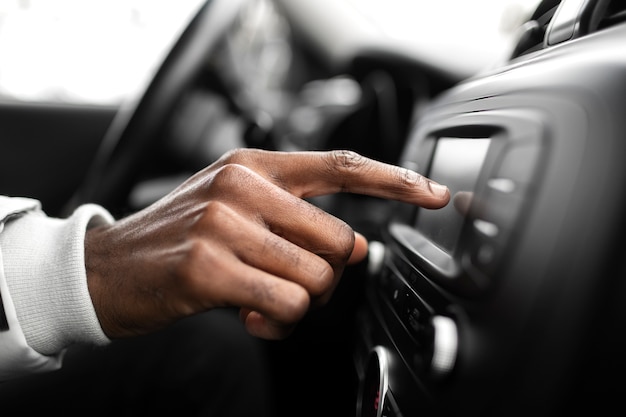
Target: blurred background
98, 51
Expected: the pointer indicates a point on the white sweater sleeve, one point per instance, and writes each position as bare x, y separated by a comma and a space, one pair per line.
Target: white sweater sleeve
45, 302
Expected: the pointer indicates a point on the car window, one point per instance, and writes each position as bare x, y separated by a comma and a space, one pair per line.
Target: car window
93, 51
461, 34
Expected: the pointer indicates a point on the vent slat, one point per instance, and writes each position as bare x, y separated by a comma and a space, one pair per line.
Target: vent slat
605, 13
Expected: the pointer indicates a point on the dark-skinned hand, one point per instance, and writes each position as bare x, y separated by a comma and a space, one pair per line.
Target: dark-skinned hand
240, 234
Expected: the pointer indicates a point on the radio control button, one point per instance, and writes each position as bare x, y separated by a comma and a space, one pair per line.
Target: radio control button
497, 210
486, 228
483, 253
503, 185
376, 257
445, 345
519, 163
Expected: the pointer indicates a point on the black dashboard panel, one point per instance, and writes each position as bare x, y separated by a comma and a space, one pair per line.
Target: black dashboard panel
514, 306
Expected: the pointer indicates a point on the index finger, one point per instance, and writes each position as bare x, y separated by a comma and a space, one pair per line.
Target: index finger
315, 173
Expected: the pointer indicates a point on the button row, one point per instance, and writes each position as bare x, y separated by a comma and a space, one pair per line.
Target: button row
498, 207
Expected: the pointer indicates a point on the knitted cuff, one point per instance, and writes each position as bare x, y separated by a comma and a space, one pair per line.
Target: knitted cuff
45, 272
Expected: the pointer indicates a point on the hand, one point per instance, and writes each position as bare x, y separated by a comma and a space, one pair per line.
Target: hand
239, 233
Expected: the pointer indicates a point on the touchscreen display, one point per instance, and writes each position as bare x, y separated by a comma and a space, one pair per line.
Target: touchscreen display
456, 163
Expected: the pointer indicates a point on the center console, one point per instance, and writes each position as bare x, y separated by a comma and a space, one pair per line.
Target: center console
505, 302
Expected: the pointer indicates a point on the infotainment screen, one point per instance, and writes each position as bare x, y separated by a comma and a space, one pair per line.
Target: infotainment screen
456, 163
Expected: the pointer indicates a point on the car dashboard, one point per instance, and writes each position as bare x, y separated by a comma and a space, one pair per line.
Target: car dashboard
509, 301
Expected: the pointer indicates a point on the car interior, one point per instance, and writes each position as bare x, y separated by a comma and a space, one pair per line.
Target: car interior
508, 301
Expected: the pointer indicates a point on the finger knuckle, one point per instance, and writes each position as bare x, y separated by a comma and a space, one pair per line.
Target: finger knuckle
243, 156
407, 177
230, 179
216, 216
323, 280
235, 156
189, 264
345, 160
295, 306
230, 174
286, 305
344, 240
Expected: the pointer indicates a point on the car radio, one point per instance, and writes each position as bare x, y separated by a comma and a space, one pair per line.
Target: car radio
510, 300
428, 258
489, 169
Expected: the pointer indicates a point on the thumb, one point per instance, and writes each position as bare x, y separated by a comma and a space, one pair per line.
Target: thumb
360, 249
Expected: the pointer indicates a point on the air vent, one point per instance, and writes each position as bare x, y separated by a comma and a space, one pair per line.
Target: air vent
556, 21
577, 18
533, 32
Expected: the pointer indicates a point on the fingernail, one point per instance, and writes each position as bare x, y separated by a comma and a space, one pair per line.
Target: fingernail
438, 189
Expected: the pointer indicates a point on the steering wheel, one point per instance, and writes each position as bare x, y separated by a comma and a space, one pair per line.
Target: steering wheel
135, 127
